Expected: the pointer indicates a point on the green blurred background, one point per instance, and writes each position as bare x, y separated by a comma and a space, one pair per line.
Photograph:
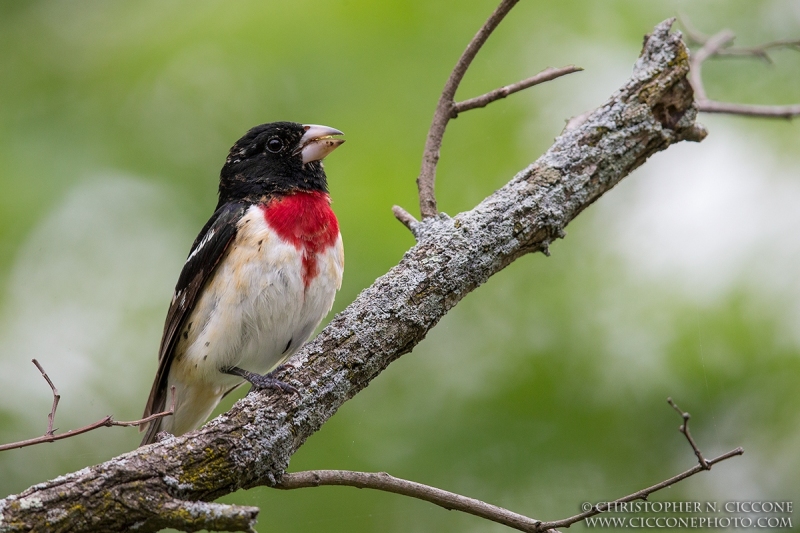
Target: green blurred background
544, 388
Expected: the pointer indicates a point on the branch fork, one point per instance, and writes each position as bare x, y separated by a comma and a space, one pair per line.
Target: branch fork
721, 45
106, 421
448, 109
684, 428
452, 501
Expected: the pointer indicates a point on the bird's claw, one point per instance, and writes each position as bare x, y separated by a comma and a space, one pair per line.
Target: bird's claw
259, 382
268, 382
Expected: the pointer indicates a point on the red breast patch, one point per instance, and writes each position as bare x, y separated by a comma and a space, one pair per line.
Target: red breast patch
306, 220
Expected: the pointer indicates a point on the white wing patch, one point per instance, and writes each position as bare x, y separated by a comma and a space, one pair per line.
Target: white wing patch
202, 243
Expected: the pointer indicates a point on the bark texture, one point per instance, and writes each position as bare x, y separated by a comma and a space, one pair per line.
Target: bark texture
168, 484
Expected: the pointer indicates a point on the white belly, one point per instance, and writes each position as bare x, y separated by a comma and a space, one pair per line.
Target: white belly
254, 313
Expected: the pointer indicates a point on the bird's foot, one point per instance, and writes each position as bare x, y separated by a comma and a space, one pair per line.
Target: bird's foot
259, 382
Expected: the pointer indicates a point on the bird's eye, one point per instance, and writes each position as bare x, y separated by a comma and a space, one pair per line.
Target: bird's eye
274, 145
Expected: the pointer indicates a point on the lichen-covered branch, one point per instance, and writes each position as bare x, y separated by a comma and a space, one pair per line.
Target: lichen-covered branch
252, 443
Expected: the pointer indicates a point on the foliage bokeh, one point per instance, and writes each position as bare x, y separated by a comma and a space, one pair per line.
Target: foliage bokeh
544, 388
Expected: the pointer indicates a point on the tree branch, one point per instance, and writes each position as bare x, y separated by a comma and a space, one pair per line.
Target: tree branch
106, 421
196, 516
486, 99
638, 495
406, 218
384, 482
56, 397
719, 44
749, 110
709, 48
684, 428
251, 444
430, 156
759, 52
452, 501
447, 109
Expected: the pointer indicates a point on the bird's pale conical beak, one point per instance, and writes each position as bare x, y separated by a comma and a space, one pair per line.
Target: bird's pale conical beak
317, 142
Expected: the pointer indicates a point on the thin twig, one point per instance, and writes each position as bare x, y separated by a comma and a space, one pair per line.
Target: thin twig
712, 46
406, 218
486, 99
750, 110
56, 397
684, 428
760, 51
162, 414
452, 501
385, 482
719, 45
639, 495
430, 157
447, 108
694, 35
644, 493
106, 421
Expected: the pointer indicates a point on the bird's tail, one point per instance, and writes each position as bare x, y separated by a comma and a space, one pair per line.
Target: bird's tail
153, 428
193, 405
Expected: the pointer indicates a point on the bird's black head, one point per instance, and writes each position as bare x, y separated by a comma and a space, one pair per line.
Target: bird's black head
277, 158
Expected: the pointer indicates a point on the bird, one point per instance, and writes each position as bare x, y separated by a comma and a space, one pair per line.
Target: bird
259, 278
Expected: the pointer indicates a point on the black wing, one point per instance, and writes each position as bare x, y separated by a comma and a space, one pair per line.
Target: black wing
206, 252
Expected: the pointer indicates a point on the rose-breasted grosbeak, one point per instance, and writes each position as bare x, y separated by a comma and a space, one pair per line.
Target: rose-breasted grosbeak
259, 278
